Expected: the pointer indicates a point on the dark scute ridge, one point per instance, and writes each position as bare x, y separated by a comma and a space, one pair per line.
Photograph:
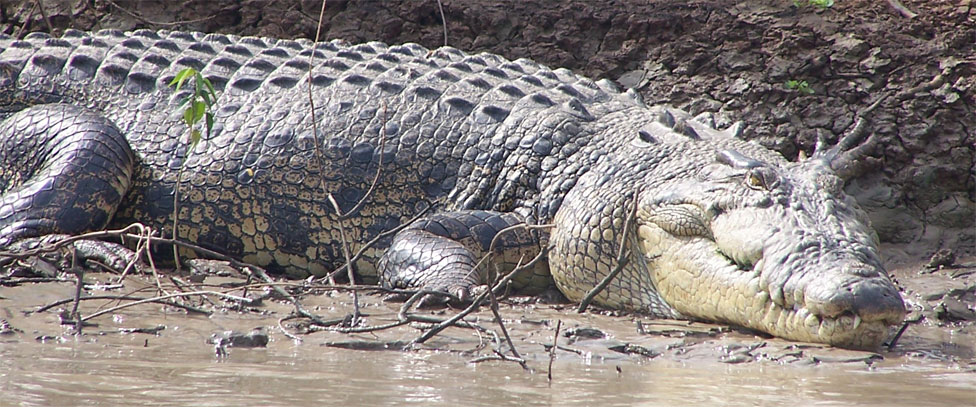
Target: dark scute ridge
238, 50
47, 62
389, 87
511, 90
496, 113
110, 32
335, 64
224, 62
192, 62
93, 42
132, 43
475, 60
322, 80
445, 76
71, 33
306, 52
479, 83
37, 36
156, 59
388, 58
139, 82
218, 38
461, 66
427, 92
356, 79
363, 48
167, 45
284, 81
401, 49
255, 41
203, 47
569, 90
511, 66
146, 33
83, 64
545, 73
296, 63
460, 104
181, 35
125, 55
290, 44
246, 84
355, 56
531, 80
376, 67
275, 52
498, 73
115, 74
260, 64
541, 99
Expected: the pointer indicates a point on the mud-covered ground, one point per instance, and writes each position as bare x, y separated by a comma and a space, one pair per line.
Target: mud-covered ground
792, 74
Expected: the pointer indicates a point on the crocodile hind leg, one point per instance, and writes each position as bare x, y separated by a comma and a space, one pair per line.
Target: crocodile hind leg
63, 171
444, 252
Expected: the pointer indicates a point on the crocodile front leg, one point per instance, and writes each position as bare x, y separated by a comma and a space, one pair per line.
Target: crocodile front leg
444, 253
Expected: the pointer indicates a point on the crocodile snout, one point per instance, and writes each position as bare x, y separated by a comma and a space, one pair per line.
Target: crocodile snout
864, 293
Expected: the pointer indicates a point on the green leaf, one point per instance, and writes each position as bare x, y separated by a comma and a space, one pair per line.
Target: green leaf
206, 98
188, 117
199, 108
181, 76
197, 86
210, 88
210, 122
194, 138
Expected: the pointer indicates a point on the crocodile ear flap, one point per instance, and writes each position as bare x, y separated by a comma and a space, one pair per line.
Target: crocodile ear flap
736, 160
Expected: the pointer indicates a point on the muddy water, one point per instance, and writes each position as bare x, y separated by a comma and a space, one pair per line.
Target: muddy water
177, 367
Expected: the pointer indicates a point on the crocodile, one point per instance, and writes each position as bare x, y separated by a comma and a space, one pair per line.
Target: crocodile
319, 144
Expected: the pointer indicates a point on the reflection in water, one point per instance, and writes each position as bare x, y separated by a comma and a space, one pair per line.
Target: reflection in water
120, 371
178, 368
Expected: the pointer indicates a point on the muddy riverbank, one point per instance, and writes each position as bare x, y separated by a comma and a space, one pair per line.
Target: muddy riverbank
733, 58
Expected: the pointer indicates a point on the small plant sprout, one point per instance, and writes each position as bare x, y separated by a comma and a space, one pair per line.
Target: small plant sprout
799, 86
196, 107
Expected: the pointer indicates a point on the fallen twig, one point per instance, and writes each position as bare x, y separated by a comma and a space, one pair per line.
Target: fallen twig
901, 9
440, 7
122, 297
502, 357
345, 251
623, 256
552, 350
163, 297
501, 325
79, 273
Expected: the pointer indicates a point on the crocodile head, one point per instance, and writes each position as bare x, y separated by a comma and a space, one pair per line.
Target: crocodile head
729, 232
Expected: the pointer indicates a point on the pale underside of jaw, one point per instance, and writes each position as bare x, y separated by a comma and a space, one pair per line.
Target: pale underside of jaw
697, 280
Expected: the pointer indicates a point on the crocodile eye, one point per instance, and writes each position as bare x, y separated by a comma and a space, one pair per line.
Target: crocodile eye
762, 178
755, 181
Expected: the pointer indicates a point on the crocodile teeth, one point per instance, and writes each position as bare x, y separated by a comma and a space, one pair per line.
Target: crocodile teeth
857, 322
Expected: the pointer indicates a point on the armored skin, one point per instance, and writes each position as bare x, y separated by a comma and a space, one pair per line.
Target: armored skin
725, 230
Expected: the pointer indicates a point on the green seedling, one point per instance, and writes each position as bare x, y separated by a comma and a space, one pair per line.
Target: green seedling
196, 107
799, 86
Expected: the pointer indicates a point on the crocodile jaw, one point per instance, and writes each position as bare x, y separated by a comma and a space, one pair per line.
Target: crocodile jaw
693, 276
